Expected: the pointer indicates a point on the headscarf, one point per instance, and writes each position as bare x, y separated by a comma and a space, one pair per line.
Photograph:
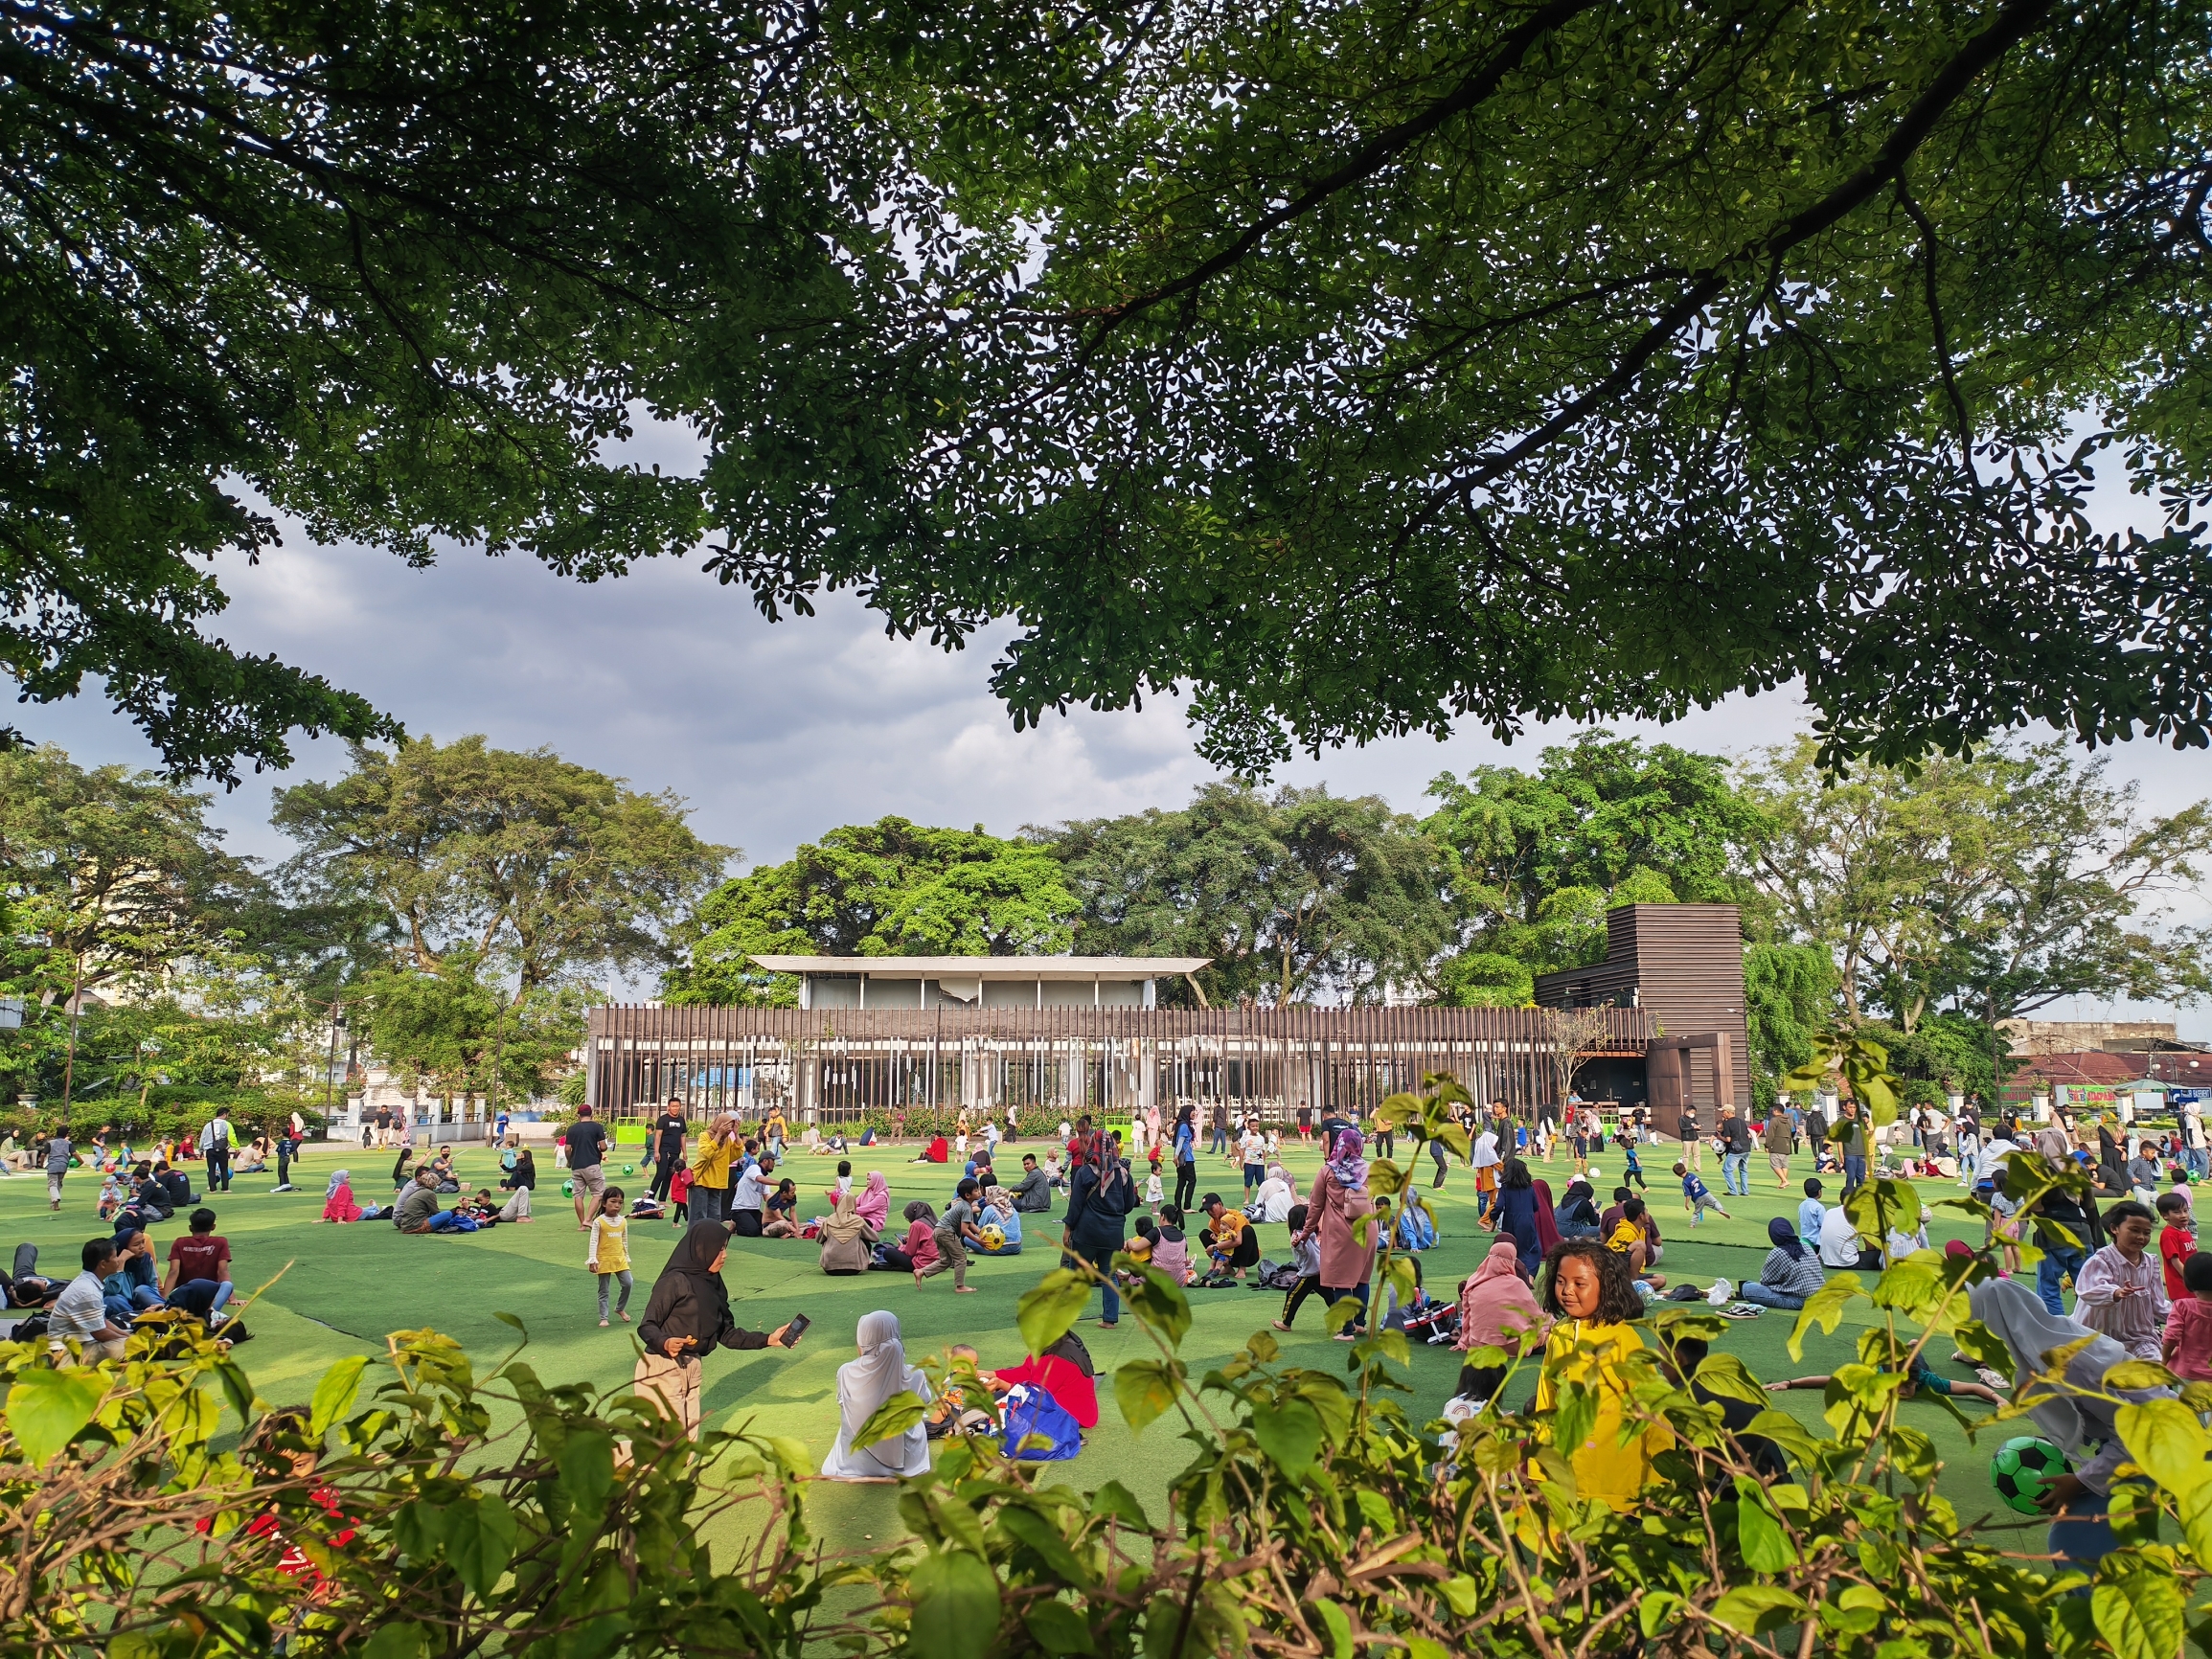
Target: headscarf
865, 1383
1547, 1221
338, 1179
1089, 1148
1496, 1309
999, 1199
695, 1252
844, 1222
2018, 1318
1345, 1164
2052, 1144
874, 1203
1784, 1238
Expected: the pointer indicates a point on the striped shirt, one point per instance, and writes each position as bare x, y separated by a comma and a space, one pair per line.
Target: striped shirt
2136, 1321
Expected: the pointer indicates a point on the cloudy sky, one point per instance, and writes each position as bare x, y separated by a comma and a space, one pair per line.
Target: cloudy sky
773, 734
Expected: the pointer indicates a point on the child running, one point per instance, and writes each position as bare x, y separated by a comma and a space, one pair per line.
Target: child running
609, 1253
1697, 1196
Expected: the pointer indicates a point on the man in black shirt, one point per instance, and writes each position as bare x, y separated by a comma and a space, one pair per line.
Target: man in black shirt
1735, 1134
1693, 1147
668, 1147
586, 1144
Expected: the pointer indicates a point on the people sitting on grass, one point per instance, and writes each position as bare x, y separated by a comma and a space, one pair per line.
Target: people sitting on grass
1274, 1198
919, 1248
779, 1210
441, 1165
848, 1237
199, 1268
1000, 1211
80, 1313
863, 1386
939, 1151
1170, 1249
1497, 1309
1232, 1244
1032, 1189
1577, 1210
338, 1201
132, 1288
1788, 1275
418, 1210
1627, 1240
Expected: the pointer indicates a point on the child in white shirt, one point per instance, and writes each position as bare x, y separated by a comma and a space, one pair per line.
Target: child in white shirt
1154, 1193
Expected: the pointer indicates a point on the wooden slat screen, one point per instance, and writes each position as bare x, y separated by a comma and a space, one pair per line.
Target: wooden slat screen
841, 1066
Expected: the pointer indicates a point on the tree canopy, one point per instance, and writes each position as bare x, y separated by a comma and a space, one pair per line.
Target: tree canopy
891, 888
552, 867
1360, 369
1298, 896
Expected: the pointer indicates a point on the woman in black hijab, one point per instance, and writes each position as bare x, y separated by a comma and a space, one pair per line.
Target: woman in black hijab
687, 1314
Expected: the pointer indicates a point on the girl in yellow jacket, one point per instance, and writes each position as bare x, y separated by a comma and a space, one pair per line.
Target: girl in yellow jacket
1591, 1297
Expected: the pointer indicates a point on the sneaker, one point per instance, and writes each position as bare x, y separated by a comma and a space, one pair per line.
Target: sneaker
288, 1187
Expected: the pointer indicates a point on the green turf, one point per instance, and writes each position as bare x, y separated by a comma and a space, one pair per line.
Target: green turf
342, 1289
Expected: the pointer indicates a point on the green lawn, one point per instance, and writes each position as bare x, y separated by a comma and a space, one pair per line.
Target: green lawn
338, 1290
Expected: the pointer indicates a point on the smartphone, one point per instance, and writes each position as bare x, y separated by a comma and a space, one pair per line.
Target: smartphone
795, 1330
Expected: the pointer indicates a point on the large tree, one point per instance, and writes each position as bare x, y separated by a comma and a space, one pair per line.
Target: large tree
1298, 896
1999, 883
524, 858
891, 888
1361, 368
1542, 855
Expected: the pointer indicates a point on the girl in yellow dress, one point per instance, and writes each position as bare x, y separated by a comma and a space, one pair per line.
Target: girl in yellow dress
1590, 1295
609, 1253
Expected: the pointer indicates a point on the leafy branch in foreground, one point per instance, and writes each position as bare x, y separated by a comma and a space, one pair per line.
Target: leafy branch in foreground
1317, 1517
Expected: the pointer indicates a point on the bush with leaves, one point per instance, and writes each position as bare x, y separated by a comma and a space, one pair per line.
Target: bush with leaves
1318, 1517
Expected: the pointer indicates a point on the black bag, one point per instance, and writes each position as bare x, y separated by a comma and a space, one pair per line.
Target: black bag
32, 1329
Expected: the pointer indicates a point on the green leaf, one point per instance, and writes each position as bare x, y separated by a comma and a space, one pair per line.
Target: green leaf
1759, 1533
240, 1390
2167, 1442
1118, 1501
1039, 1534
1576, 1415
1398, 1110
1338, 1625
1656, 1610
2197, 1522
1754, 1610
2140, 1374
397, 1641
1724, 1374
1824, 1309
2138, 1607
1159, 1302
480, 1534
956, 1605
587, 1464
1049, 1310
46, 1409
1145, 1388
891, 1418
334, 1396
1057, 1629
1291, 1434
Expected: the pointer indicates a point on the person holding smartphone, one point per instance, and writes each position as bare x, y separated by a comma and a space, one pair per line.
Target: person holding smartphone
689, 1314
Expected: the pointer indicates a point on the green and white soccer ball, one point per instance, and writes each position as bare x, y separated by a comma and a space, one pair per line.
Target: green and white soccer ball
2023, 1467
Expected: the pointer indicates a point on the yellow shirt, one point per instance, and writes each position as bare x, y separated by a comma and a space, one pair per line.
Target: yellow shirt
609, 1243
710, 1167
1593, 1355
1625, 1236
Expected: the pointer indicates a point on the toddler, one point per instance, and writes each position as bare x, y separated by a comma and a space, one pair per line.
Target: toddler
2188, 1335
1154, 1192
679, 1197
609, 1253
1697, 1196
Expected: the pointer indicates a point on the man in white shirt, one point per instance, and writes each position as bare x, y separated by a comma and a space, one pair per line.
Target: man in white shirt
750, 1195
80, 1313
215, 1146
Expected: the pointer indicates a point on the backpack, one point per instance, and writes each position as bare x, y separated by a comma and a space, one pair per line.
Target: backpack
1034, 1416
1284, 1277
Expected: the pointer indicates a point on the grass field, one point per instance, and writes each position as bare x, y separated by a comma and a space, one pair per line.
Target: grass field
342, 1289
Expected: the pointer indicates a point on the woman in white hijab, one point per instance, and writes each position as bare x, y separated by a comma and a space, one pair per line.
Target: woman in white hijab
2082, 1427
863, 1385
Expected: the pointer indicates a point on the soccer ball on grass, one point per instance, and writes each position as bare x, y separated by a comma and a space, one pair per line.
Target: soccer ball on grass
994, 1236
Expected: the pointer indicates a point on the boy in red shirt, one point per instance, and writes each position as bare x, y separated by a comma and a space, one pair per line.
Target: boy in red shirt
2176, 1243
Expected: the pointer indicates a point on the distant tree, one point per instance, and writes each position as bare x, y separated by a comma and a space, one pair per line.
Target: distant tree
114, 881
527, 857
1789, 999
1295, 896
1999, 883
456, 1030
1602, 821
891, 888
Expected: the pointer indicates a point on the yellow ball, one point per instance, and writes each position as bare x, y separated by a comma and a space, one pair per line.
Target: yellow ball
994, 1236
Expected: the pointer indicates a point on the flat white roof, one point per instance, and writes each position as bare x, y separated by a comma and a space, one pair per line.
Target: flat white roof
1012, 968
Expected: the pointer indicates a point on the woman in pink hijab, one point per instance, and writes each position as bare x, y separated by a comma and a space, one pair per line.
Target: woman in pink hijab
874, 1205
1548, 1226
1497, 1309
